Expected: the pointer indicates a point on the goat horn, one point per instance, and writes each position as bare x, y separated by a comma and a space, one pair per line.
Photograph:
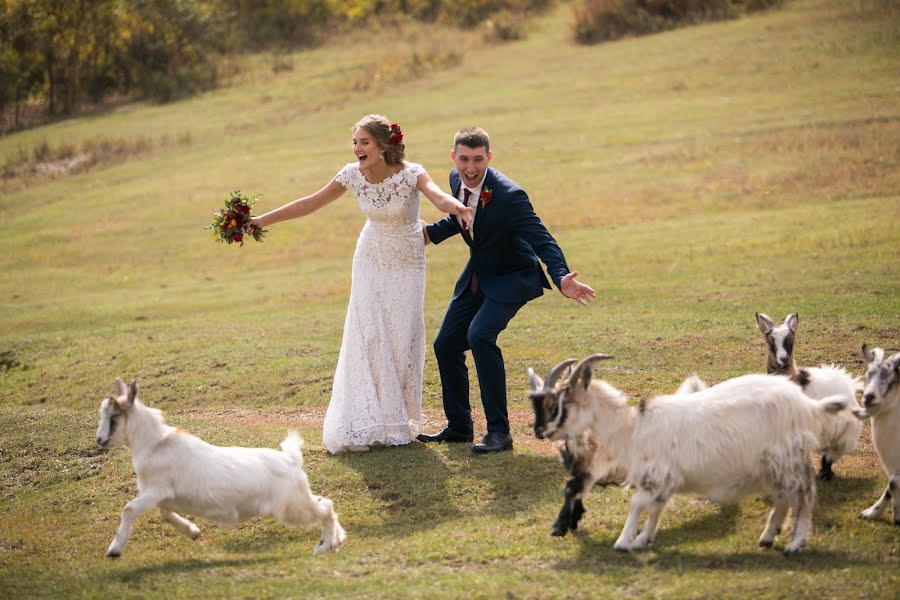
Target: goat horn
557, 371
586, 362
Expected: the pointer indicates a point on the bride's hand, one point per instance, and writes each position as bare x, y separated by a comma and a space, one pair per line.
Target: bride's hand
467, 213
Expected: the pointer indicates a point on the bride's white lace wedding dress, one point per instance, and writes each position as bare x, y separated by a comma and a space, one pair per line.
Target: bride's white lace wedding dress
377, 393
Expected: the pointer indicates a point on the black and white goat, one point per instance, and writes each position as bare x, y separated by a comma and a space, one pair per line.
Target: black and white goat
817, 383
180, 473
749, 434
586, 460
881, 401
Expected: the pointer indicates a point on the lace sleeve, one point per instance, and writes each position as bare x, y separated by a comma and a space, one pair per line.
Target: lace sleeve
415, 170
343, 176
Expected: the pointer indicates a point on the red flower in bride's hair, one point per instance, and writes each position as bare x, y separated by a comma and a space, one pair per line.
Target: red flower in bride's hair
485, 196
396, 134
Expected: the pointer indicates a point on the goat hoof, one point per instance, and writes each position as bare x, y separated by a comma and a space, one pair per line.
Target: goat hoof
766, 543
559, 532
621, 548
825, 476
790, 551
113, 553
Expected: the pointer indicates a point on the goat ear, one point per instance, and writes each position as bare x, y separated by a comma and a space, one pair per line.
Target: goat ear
584, 375
764, 323
132, 393
873, 355
121, 388
534, 380
792, 321
895, 362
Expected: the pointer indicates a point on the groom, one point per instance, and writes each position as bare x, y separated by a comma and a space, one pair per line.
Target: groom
505, 240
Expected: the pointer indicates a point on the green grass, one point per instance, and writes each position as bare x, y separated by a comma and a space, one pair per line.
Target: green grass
693, 178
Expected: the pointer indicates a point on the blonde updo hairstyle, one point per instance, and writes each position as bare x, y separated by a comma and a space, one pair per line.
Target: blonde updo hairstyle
379, 127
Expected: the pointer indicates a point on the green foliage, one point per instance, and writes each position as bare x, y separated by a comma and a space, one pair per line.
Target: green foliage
255, 24
65, 53
167, 48
601, 20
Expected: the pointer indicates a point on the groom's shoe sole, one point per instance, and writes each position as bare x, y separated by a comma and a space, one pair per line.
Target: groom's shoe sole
446, 435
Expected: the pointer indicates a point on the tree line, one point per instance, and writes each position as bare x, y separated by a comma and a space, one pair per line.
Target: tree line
61, 54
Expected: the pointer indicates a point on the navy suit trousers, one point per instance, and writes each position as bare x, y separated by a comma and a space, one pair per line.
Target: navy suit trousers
474, 322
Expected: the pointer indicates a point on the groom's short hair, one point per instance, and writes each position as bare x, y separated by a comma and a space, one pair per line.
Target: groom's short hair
472, 137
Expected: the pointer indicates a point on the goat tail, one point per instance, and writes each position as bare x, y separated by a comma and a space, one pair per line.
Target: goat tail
292, 446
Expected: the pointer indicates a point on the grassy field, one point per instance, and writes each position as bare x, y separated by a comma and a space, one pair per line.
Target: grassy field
693, 178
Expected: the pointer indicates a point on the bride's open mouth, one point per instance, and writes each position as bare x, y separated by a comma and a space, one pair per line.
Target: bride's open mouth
362, 157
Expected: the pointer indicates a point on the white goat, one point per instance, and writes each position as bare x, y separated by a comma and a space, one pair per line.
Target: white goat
818, 383
748, 434
586, 460
881, 401
180, 473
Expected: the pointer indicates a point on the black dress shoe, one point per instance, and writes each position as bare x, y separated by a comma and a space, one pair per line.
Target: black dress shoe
445, 435
493, 442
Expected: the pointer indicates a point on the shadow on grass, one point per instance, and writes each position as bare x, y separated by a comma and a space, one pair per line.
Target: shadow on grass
422, 486
172, 567
667, 551
837, 493
261, 535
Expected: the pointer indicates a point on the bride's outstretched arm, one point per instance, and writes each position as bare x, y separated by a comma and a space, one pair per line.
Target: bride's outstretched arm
442, 200
301, 206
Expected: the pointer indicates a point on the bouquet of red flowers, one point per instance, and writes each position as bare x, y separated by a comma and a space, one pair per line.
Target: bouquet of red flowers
233, 223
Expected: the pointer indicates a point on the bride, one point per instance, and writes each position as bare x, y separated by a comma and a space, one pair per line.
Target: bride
377, 392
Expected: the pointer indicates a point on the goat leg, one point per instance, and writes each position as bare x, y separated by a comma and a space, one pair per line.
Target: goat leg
894, 488
132, 511
876, 510
825, 472
802, 524
639, 502
180, 523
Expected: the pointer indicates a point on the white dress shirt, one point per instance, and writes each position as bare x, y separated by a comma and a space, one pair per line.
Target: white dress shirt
474, 199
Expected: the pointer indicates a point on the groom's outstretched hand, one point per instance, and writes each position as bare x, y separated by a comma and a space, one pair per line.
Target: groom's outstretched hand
577, 291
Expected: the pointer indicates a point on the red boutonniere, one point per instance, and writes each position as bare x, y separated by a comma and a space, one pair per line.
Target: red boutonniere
486, 194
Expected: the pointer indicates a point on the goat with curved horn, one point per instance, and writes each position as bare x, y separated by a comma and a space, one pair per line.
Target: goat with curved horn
557, 371
582, 371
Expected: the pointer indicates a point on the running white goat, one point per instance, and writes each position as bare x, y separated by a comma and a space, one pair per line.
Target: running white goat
586, 460
749, 434
818, 383
180, 473
881, 401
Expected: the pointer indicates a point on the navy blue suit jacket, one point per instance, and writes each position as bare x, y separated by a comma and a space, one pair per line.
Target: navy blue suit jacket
508, 239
